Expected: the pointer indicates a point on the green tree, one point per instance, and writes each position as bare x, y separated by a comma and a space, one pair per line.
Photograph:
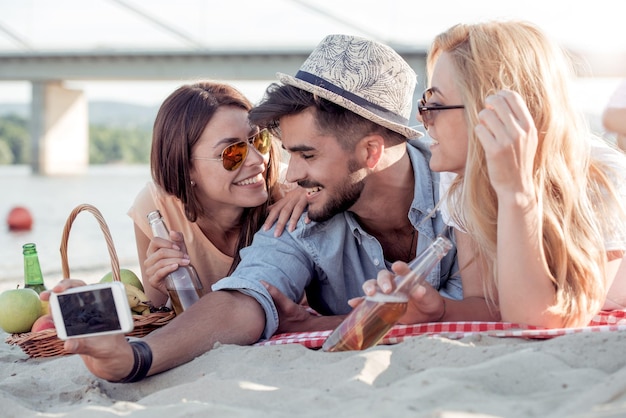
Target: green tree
118, 145
106, 144
14, 135
6, 156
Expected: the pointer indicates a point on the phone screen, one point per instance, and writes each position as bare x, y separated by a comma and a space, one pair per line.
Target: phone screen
89, 312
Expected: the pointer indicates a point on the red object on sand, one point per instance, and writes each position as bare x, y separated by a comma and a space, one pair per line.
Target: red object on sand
19, 219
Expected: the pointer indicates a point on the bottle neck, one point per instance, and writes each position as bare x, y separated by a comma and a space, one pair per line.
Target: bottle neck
32, 270
159, 229
422, 265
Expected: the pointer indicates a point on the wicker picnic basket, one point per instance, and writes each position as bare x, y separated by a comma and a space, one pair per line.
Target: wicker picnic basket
46, 343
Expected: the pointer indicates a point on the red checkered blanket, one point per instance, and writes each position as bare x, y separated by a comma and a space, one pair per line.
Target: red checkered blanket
602, 322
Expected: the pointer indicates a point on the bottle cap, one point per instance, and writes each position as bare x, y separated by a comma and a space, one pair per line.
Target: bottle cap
29, 248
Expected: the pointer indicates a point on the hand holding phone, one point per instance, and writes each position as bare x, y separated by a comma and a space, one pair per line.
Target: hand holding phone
97, 309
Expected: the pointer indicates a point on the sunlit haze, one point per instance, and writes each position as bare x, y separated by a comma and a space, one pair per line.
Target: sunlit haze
65, 25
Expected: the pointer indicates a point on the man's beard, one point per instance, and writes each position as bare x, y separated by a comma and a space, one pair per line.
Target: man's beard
345, 197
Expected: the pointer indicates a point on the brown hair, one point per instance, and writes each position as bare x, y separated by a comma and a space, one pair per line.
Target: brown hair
179, 123
332, 119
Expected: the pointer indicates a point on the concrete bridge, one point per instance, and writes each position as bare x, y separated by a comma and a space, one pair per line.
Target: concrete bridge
59, 116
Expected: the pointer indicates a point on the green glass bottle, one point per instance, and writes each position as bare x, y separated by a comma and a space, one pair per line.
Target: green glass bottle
33, 278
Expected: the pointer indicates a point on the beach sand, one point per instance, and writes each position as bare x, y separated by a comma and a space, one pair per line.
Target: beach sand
578, 375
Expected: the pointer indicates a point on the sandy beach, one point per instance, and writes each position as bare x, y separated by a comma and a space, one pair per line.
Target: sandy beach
578, 375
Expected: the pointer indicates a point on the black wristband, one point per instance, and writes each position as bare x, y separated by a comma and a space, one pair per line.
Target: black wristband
142, 362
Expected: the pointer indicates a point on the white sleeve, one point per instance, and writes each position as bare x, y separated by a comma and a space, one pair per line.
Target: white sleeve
618, 98
445, 180
615, 234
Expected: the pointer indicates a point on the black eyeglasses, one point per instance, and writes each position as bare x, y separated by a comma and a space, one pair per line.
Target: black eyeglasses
234, 155
428, 113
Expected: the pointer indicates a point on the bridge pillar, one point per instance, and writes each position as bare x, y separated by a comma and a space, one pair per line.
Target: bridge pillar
59, 129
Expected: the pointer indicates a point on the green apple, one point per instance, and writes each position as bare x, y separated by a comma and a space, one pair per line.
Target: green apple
19, 309
127, 276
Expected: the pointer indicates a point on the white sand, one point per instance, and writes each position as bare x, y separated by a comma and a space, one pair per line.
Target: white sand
574, 375
579, 375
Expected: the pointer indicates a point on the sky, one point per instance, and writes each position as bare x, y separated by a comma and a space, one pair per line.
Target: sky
61, 25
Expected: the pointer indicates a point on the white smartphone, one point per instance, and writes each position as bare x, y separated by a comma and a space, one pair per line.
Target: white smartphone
96, 309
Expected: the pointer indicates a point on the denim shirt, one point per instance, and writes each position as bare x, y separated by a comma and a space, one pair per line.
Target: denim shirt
331, 260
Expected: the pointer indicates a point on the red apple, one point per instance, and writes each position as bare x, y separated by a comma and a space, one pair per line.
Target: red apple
43, 322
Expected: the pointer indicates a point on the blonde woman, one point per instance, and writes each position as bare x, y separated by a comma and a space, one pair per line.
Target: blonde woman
537, 202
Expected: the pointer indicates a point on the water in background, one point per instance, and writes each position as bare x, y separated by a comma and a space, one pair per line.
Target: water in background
50, 200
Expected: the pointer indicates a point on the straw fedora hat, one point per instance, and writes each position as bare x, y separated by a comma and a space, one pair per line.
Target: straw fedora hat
364, 76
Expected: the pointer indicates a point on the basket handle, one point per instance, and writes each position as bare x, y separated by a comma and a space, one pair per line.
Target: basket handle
115, 264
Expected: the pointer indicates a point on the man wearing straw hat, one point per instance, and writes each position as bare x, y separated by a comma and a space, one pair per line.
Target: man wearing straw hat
343, 119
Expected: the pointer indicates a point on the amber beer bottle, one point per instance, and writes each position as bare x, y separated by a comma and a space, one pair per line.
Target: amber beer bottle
33, 279
368, 323
183, 285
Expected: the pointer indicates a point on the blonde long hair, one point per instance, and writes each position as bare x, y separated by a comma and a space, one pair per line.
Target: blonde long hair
513, 55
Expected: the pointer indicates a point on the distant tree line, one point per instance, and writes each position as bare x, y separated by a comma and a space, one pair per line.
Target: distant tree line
106, 144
